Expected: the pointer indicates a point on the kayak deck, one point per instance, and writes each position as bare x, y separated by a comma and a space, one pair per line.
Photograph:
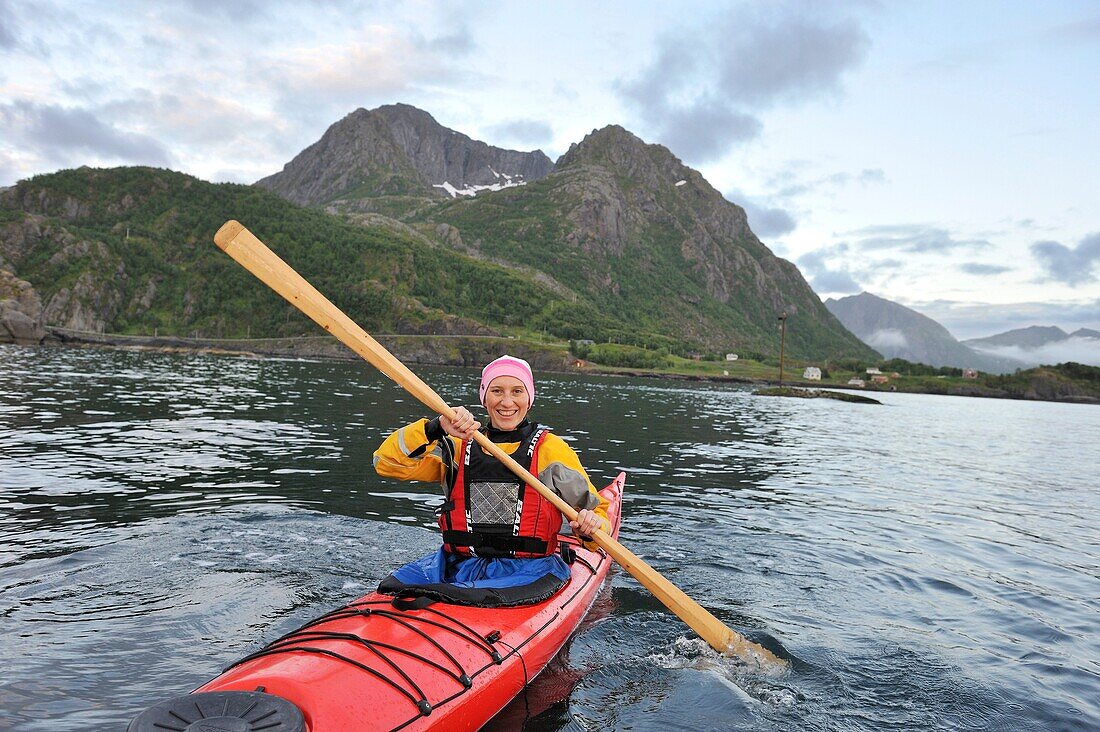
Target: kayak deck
381, 664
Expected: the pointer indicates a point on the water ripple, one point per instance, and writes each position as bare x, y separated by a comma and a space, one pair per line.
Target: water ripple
930, 564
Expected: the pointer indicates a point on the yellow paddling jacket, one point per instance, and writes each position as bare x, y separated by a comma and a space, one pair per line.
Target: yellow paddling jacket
423, 451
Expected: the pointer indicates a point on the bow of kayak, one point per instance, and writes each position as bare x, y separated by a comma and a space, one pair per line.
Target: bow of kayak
380, 664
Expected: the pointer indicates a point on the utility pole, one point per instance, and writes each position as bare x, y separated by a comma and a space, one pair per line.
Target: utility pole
782, 343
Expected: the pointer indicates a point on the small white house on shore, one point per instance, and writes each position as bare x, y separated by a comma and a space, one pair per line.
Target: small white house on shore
731, 356
812, 373
859, 383
874, 370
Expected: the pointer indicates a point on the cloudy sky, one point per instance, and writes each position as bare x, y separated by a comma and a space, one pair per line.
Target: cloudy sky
943, 155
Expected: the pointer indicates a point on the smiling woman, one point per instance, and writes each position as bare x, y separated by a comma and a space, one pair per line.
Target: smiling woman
507, 390
506, 402
494, 526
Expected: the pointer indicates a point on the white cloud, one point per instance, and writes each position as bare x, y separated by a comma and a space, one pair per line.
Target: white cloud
767, 221
1080, 350
179, 85
1086, 30
787, 58
9, 37
523, 132
702, 93
914, 238
75, 135
314, 86
828, 271
979, 319
889, 339
1071, 265
192, 115
792, 181
981, 269
381, 62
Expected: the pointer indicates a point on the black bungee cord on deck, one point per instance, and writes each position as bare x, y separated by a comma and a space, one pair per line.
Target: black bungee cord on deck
523, 665
303, 640
290, 643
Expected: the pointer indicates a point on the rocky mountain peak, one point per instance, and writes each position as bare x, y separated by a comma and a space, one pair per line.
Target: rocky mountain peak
1036, 345
400, 150
600, 141
869, 315
401, 111
648, 173
643, 184
623, 152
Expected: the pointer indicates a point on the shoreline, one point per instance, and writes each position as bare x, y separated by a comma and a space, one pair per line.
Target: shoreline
472, 351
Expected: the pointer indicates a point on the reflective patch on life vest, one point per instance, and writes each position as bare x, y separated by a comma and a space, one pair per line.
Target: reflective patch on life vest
492, 503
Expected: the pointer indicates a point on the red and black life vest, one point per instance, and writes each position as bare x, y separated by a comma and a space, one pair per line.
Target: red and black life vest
491, 512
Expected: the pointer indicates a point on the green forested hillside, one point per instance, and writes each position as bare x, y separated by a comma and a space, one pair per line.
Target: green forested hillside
131, 249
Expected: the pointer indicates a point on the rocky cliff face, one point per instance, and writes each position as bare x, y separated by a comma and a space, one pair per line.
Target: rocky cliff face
398, 150
20, 311
628, 187
628, 225
92, 296
442, 155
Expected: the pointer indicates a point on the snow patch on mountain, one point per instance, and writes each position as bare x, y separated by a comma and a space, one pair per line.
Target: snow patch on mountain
473, 190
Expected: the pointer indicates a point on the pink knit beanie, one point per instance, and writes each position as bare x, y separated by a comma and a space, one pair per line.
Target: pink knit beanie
508, 366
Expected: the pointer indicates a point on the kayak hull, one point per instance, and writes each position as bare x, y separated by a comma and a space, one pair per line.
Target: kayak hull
371, 665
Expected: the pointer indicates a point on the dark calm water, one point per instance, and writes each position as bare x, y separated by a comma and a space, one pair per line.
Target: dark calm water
930, 564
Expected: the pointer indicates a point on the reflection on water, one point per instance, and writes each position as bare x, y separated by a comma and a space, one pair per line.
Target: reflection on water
928, 564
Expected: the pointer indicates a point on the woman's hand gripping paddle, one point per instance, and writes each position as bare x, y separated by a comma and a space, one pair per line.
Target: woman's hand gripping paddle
251, 253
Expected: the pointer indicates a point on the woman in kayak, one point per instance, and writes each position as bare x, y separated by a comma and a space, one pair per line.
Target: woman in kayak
499, 535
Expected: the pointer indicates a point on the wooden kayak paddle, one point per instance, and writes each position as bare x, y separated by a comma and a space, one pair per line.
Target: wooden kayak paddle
252, 254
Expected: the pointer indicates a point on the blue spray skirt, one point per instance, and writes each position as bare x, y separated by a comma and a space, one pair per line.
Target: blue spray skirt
478, 581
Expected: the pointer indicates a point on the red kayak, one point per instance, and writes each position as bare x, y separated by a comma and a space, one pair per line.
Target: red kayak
381, 664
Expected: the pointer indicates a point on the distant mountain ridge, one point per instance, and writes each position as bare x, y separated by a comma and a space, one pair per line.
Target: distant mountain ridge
1037, 345
899, 332
1030, 337
399, 150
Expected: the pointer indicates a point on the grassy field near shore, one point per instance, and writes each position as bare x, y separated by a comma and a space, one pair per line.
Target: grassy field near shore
1063, 382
